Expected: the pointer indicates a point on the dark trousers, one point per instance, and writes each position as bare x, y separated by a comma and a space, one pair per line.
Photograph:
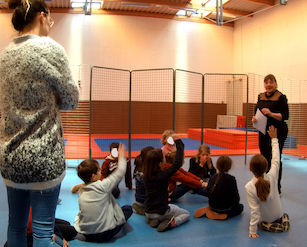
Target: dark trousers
116, 192
265, 147
182, 189
63, 229
108, 235
234, 211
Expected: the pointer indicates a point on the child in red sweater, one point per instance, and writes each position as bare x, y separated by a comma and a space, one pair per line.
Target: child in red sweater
110, 164
187, 179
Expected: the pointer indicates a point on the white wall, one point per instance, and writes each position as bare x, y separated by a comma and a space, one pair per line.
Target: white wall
136, 42
129, 42
274, 42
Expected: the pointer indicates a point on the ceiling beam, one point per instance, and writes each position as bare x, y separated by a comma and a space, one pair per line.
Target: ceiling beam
264, 2
157, 2
236, 12
163, 16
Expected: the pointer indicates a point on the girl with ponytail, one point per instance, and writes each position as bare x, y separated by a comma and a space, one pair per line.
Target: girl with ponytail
224, 198
262, 192
35, 84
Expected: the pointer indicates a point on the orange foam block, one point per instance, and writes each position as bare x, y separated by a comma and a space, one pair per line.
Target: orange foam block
226, 138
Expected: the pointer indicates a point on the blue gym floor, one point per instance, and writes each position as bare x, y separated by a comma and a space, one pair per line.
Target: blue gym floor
196, 232
138, 144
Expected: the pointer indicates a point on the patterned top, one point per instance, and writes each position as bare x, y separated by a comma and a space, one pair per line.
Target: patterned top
35, 82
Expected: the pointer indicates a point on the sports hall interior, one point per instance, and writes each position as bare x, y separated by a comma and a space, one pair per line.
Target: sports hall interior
140, 73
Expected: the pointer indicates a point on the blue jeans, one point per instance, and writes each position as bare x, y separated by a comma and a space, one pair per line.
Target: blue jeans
43, 213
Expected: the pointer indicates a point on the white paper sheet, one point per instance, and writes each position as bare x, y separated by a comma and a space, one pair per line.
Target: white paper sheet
261, 122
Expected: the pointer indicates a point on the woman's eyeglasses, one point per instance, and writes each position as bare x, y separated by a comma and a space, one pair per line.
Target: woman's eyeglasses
51, 22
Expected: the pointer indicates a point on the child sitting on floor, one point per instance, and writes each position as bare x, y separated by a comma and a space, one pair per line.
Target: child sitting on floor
167, 142
159, 213
100, 217
188, 181
262, 193
201, 165
108, 166
138, 205
224, 199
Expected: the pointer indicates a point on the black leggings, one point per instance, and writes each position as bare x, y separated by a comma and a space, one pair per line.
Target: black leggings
234, 211
108, 235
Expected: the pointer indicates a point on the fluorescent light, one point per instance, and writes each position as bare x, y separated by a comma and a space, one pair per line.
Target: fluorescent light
96, 5
76, 5
80, 4
181, 12
212, 3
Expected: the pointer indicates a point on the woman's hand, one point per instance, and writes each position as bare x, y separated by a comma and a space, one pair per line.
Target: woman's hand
266, 111
251, 235
254, 119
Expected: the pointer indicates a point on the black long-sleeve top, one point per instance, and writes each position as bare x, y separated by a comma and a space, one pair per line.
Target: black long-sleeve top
157, 187
277, 103
226, 194
202, 172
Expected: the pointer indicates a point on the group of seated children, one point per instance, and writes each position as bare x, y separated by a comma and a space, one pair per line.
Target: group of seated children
157, 173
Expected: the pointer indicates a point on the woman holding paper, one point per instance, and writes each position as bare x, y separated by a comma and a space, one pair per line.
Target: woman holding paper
274, 105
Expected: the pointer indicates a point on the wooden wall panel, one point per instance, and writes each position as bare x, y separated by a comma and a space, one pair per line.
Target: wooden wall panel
151, 117
76, 121
110, 117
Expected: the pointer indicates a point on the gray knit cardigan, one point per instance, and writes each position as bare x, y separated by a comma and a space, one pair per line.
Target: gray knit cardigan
35, 83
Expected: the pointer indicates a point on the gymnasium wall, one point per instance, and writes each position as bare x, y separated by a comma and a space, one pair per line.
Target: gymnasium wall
151, 117
273, 41
129, 42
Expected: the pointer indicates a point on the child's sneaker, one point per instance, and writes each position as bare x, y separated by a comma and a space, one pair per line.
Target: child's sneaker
271, 227
166, 224
285, 222
153, 222
139, 209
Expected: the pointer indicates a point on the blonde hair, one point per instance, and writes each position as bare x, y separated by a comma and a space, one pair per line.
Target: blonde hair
202, 149
165, 135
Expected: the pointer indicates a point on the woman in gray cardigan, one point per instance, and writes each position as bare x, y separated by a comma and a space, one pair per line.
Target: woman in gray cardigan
35, 83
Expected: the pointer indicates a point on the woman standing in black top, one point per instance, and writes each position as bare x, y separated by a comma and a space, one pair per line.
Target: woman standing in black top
273, 104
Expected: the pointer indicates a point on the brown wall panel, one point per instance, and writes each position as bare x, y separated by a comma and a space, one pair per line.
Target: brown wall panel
188, 115
76, 121
110, 117
151, 117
